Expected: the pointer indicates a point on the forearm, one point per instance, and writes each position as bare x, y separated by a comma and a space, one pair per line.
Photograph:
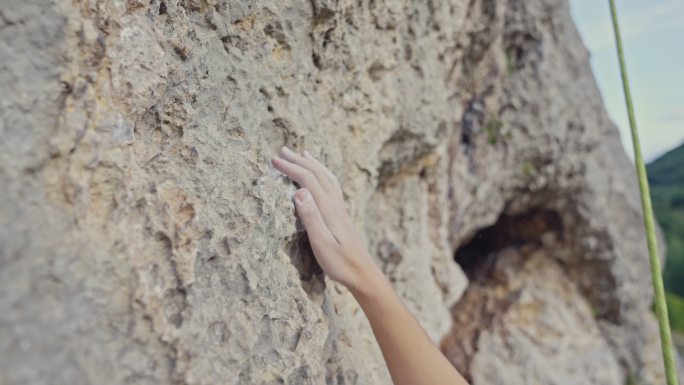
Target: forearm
411, 357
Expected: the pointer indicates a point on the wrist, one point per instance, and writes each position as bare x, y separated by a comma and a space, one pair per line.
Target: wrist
371, 285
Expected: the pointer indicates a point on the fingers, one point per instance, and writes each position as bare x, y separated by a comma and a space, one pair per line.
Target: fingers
324, 170
331, 211
310, 163
319, 234
299, 174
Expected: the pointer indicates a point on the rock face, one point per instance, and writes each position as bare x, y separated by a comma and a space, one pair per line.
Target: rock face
145, 238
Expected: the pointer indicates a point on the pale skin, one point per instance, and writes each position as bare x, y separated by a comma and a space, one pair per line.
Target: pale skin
411, 357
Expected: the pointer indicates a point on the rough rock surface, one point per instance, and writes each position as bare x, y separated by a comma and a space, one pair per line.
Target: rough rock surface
145, 239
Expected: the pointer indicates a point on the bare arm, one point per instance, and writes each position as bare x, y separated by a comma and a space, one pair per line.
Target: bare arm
411, 357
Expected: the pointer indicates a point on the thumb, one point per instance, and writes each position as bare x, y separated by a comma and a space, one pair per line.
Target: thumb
315, 226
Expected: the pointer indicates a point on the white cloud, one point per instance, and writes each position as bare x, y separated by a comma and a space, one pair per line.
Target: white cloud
674, 116
636, 22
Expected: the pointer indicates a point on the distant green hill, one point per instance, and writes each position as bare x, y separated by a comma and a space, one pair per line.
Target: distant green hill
668, 170
666, 177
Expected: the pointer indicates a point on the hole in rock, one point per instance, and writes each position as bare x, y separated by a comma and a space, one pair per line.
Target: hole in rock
536, 227
495, 261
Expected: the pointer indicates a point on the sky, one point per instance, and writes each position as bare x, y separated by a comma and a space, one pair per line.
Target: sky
653, 41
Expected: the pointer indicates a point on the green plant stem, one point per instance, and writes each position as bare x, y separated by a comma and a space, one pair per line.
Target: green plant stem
659, 291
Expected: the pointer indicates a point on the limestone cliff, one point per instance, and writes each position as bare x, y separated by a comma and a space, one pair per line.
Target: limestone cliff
145, 239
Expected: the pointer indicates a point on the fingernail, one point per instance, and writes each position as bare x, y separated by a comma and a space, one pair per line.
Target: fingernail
287, 150
303, 196
307, 153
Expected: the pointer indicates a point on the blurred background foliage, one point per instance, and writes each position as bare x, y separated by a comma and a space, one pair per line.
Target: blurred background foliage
666, 176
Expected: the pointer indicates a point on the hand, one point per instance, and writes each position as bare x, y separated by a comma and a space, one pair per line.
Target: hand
411, 357
336, 243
